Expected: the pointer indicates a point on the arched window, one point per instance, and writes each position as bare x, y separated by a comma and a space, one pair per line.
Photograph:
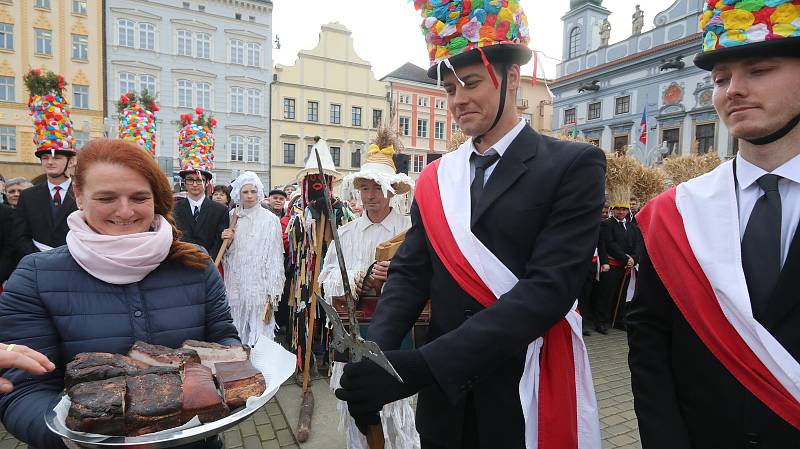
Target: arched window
574, 39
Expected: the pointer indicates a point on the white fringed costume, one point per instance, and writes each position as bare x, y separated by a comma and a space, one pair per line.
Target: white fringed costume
253, 265
359, 238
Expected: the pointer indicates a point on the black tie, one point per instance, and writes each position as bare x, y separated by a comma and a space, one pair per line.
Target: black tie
761, 246
481, 164
196, 213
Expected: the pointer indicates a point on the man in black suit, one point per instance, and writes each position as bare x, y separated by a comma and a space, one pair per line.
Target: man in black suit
40, 220
714, 328
200, 220
534, 206
623, 245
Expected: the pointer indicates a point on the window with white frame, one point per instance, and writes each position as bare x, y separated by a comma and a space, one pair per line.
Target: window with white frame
422, 101
6, 36
438, 130
253, 101
237, 148
203, 45
203, 91
440, 103
7, 88
336, 154
253, 149
8, 138
237, 52
184, 43
42, 4
404, 99
336, 114
127, 83
313, 111
422, 128
289, 108
356, 116
253, 54
405, 126
147, 36
80, 47
81, 138
184, 94
148, 83
80, 96
44, 41
79, 7
125, 33
453, 127
237, 99
570, 116
418, 162
593, 112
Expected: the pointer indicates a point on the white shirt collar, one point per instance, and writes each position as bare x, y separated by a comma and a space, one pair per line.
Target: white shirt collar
502, 145
64, 185
747, 173
193, 203
389, 223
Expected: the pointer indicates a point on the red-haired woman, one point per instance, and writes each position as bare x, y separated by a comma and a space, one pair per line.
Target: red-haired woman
123, 276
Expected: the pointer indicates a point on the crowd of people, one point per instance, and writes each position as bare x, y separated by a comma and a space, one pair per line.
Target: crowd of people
502, 250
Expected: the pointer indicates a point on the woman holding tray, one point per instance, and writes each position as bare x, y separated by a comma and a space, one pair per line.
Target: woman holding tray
123, 276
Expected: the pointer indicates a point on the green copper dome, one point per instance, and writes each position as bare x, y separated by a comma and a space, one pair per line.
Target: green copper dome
578, 3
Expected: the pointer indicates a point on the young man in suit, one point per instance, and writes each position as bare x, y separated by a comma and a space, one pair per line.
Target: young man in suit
714, 330
200, 220
40, 221
501, 232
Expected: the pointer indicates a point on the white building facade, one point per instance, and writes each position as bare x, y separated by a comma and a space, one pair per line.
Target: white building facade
215, 54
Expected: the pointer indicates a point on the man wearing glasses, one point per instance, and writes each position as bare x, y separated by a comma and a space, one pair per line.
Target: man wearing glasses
200, 220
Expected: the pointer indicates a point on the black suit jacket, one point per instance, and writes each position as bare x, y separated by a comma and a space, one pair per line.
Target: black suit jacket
621, 242
8, 247
539, 215
683, 396
34, 219
213, 219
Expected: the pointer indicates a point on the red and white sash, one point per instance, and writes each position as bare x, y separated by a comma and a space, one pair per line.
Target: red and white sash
702, 271
560, 409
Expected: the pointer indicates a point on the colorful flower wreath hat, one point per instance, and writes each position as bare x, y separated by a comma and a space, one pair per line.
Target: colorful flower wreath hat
137, 120
196, 144
465, 32
50, 113
748, 28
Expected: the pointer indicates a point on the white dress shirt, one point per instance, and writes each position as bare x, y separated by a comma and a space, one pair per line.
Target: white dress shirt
498, 148
198, 204
64, 187
748, 192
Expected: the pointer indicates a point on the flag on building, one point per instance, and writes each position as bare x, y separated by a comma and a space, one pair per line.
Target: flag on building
643, 127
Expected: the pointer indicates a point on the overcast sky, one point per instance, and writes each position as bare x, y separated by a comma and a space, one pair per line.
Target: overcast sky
386, 32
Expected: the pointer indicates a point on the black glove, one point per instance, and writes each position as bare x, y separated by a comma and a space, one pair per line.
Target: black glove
366, 387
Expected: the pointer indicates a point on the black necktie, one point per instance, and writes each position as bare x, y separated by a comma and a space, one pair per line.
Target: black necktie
196, 213
481, 164
761, 246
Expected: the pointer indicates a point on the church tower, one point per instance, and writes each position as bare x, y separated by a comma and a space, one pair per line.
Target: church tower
582, 27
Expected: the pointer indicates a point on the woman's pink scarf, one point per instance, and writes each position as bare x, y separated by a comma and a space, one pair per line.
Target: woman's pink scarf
118, 259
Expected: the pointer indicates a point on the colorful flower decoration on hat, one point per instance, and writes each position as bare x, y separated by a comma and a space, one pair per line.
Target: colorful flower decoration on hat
196, 142
728, 23
137, 120
452, 27
50, 113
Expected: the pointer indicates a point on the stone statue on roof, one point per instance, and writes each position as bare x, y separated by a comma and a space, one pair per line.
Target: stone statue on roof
605, 32
638, 20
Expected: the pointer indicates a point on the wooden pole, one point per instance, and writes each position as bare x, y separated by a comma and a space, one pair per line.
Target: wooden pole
227, 242
375, 437
619, 297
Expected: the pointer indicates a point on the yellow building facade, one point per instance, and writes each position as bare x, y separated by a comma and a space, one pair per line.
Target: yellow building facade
66, 37
329, 92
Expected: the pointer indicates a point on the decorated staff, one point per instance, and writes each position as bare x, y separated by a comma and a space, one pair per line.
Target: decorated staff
40, 221
200, 219
505, 365
309, 238
715, 325
137, 120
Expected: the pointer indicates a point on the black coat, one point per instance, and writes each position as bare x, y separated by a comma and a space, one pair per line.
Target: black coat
683, 396
212, 220
9, 257
539, 215
620, 242
37, 219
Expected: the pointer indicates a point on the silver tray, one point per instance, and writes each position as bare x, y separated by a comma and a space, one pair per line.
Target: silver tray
275, 363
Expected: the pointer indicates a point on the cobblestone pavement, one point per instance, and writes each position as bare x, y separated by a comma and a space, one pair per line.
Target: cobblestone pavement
608, 355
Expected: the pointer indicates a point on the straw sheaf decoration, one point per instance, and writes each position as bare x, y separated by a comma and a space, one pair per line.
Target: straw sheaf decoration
566, 134
648, 183
620, 178
680, 169
456, 140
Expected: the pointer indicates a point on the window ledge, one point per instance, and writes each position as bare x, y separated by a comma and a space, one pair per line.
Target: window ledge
82, 61
43, 55
7, 50
81, 15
